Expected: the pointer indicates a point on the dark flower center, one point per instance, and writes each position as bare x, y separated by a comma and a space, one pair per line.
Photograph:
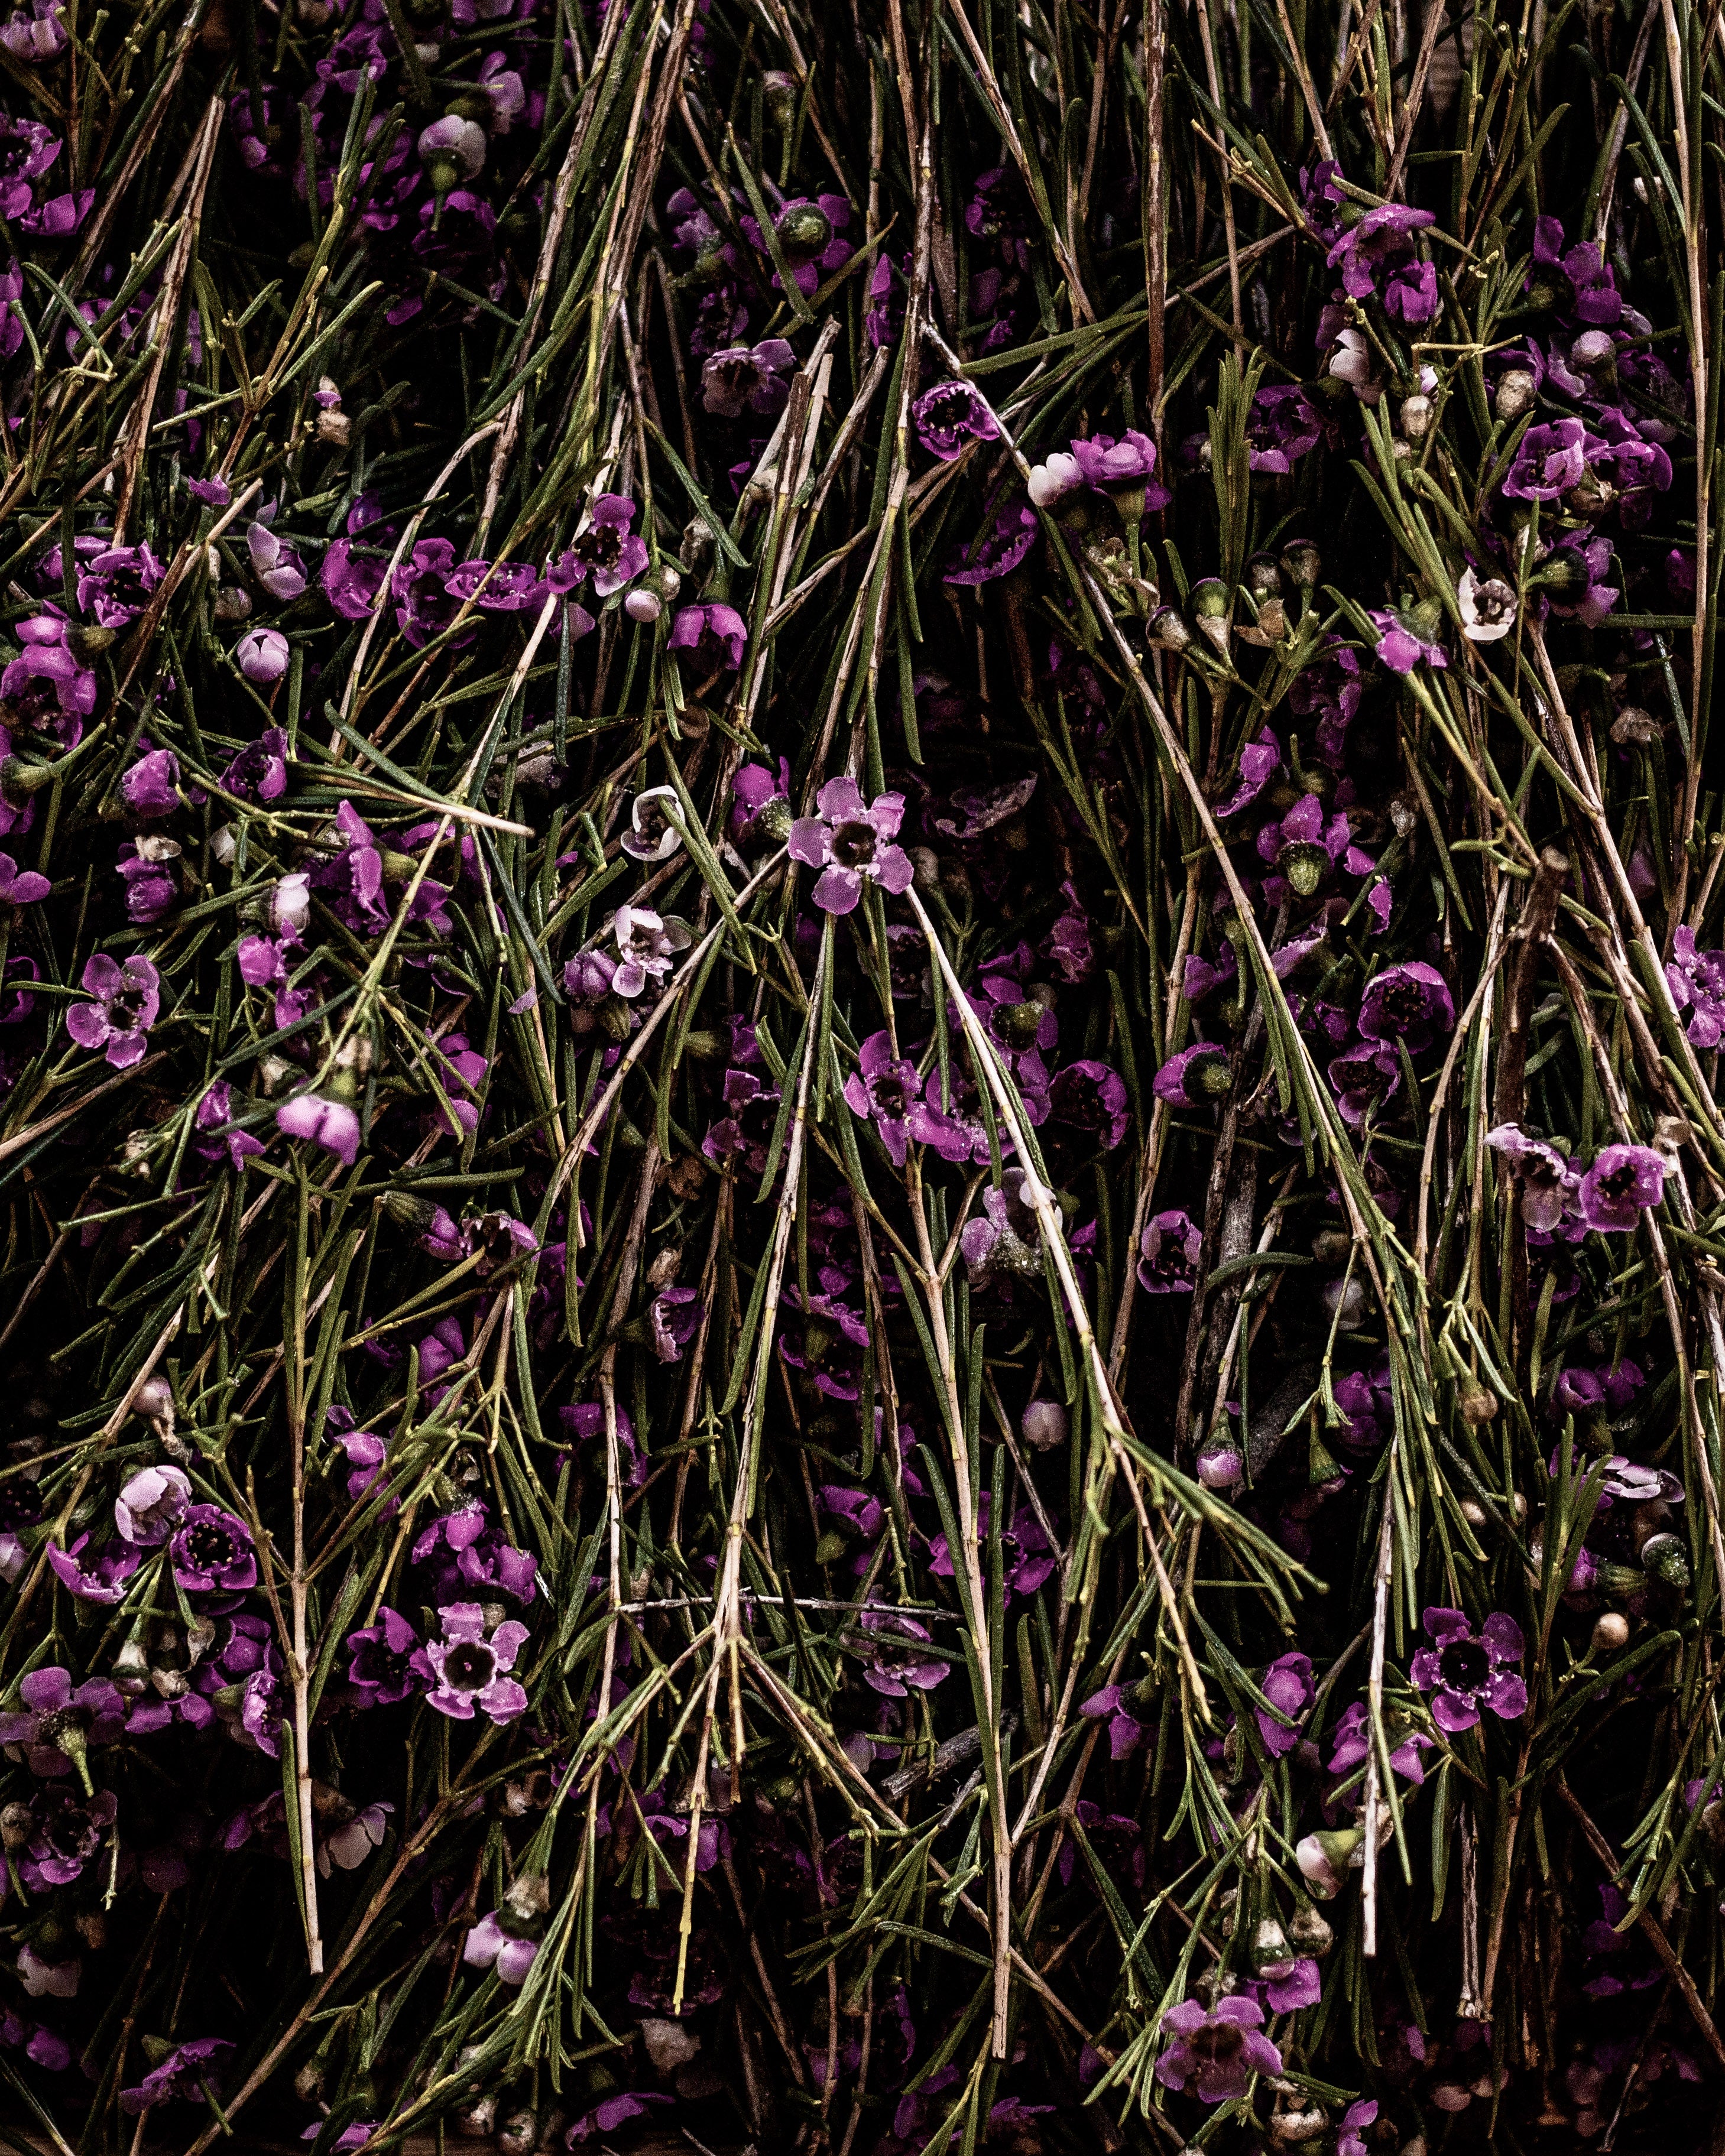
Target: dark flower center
470, 1666
1466, 1666
1402, 1005
949, 409
1618, 1182
891, 1095
1219, 2042
207, 1546
853, 845
375, 1664
598, 547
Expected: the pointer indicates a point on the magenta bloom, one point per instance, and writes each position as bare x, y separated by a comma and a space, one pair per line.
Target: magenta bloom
887, 1091
1196, 1078
1126, 1732
742, 378
383, 1668
212, 1552
262, 656
606, 551
468, 1670
852, 844
1092, 1098
103, 1579
1697, 985
1467, 1670
1214, 2055
331, 1124
260, 771
1550, 1183
1408, 1003
1550, 460
1168, 1252
57, 1724
1287, 1686
151, 787
186, 2075
895, 1662
1401, 647
948, 416
127, 998
715, 634
21, 886
614, 2112
489, 1946
1353, 1741
35, 37
148, 1508
998, 552
646, 945
1624, 1182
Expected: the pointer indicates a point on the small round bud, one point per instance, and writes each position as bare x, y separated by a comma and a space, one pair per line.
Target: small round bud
1416, 417
1301, 563
644, 606
1610, 1632
1043, 1425
1515, 394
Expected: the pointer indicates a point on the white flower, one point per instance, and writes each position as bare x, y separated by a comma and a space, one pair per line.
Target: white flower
1488, 608
652, 835
1351, 362
1053, 481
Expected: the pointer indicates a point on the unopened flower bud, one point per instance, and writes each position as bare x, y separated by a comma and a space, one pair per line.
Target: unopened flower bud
1610, 1632
1301, 563
1326, 1858
1043, 1425
1167, 629
1208, 606
804, 230
1311, 1932
1593, 351
1476, 1403
644, 606
1665, 1559
1416, 416
1515, 394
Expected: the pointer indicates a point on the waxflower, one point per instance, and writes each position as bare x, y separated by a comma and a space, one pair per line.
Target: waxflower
126, 1000
654, 816
949, 415
262, 656
1624, 1182
56, 1723
742, 378
212, 1552
1403, 642
37, 37
1697, 985
489, 1946
468, 1669
1214, 2054
606, 550
897, 1657
1466, 1670
1550, 1183
1408, 1003
852, 844
1092, 1098
382, 1665
150, 1504
999, 551
151, 787
885, 1090
1168, 1254
260, 771
715, 634
1287, 1686
1487, 606
189, 2073
1196, 1078
645, 947
1353, 1743
331, 1124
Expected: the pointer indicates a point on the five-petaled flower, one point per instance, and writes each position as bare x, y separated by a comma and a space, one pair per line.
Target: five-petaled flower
852, 843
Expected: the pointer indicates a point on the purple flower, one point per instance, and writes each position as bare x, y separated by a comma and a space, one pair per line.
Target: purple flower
1551, 459
262, 656
331, 1124
351, 582
1408, 1003
1282, 425
1355, 2121
260, 771
1400, 645
151, 787
127, 998
1377, 256
615, 2111
885, 1089
49, 688
187, 2075
57, 1725
739, 379
645, 947
148, 1508
852, 844
104, 1580
212, 1552
384, 1665
895, 1662
112, 582
998, 552
1168, 1252
1212, 2055
21, 886
1468, 1669
1092, 1098
1624, 1182
278, 568
469, 1668
1126, 1732
36, 37
1287, 1686
1577, 280
1353, 1742
424, 606
745, 1132
489, 1946
1259, 762
716, 635
948, 416
1196, 1078
1697, 985
1550, 1183
587, 982
606, 551
214, 1118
